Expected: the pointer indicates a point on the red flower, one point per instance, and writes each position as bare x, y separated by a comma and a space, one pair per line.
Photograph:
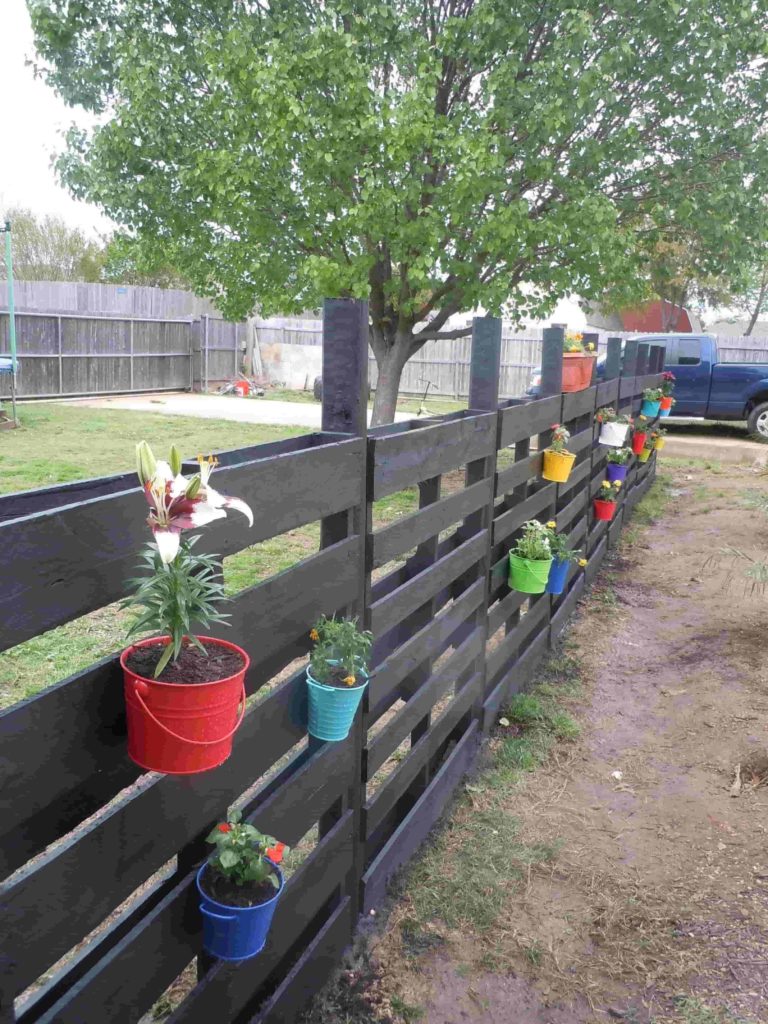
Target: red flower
275, 853
225, 827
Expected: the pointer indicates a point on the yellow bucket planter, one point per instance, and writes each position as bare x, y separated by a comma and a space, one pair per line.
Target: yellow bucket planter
644, 455
557, 465
659, 443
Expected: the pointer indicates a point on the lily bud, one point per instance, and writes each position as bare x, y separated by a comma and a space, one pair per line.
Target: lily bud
174, 460
193, 488
145, 463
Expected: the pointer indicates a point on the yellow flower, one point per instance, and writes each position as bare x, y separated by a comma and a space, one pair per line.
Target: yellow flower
617, 484
314, 635
349, 680
582, 562
551, 525
591, 347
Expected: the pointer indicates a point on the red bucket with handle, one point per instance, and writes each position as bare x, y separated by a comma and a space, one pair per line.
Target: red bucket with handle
182, 728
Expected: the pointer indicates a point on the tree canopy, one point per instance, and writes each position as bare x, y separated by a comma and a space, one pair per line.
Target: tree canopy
433, 156
46, 248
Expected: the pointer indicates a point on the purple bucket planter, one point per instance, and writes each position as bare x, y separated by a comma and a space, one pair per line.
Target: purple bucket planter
614, 471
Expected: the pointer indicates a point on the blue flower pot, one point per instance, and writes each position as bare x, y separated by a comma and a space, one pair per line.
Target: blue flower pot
558, 576
613, 471
236, 933
664, 412
650, 409
332, 709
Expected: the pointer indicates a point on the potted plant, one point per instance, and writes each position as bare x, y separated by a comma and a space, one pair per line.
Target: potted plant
605, 500
613, 426
337, 676
617, 464
667, 387
659, 438
639, 434
651, 403
562, 556
240, 885
558, 461
531, 559
648, 447
578, 362
181, 691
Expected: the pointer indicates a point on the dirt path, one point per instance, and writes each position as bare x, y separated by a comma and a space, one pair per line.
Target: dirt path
655, 907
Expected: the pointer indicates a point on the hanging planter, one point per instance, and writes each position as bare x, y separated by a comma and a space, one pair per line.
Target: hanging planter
667, 387
666, 406
617, 465
613, 427
659, 438
557, 461
562, 557
651, 403
182, 691
337, 677
639, 435
531, 559
578, 363
604, 504
240, 885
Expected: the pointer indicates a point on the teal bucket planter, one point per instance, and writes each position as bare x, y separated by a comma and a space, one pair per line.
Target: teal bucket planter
332, 709
650, 409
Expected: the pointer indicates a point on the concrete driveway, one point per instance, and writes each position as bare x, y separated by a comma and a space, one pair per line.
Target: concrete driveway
221, 407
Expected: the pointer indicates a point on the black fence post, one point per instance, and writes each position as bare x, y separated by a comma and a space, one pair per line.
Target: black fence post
345, 410
485, 363
613, 359
552, 361
643, 355
592, 338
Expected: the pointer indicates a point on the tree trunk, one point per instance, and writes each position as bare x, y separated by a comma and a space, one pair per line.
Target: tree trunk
758, 304
390, 362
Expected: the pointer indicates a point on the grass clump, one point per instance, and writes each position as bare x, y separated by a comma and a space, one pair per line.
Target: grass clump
694, 1011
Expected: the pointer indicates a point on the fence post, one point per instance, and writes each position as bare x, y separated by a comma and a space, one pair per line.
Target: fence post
345, 410
613, 359
552, 362
130, 342
643, 355
592, 338
195, 359
60, 355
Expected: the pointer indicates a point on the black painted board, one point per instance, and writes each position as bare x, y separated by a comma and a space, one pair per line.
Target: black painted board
627, 388
420, 754
405, 459
614, 530
226, 989
566, 608
595, 560
393, 608
578, 474
503, 609
51, 906
607, 393
517, 636
414, 529
508, 522
522, 421
578, 403
59, 565
428, 643
580, 441
578, 532
42, 499
514, 679
311, 972
420, 821
575, 507
418, 706
526, 469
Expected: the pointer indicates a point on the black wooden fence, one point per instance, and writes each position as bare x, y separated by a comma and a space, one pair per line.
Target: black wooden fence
99, 912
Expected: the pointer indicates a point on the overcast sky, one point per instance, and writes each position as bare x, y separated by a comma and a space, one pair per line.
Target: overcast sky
33, 117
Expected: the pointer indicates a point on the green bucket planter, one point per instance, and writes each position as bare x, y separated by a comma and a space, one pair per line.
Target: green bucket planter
527, 575
332, 709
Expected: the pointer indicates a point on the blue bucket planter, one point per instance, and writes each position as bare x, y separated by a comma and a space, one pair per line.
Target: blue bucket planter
650, 409
665, 412
558, 576
614, 471
236, 933
332, 709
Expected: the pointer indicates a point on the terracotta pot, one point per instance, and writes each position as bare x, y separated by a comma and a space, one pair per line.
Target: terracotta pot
577, 371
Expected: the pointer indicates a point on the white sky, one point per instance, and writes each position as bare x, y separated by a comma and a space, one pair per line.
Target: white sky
32, 119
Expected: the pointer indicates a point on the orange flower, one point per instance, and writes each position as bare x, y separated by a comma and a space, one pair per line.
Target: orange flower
349, 680
314, 635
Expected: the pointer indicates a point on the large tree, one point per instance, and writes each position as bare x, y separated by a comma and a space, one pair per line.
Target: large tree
432, 156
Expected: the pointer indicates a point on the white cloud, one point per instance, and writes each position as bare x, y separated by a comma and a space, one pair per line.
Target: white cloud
33, 118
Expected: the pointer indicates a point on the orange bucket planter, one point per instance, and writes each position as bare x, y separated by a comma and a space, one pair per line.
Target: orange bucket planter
577, 371
182, 728
557, 465
666, 402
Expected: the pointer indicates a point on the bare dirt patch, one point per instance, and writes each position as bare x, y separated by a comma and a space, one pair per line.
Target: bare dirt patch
655, 907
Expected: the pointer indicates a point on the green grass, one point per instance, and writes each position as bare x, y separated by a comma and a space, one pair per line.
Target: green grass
480, 855
406, 403
60, 443
694, 1011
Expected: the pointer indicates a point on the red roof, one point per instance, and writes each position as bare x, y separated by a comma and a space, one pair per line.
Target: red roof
648, 319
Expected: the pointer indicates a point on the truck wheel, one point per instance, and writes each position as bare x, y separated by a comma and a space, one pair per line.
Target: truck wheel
757, 421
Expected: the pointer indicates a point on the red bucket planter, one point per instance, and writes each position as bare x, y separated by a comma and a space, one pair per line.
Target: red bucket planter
604, 509
638, 441
182, 728
577, 371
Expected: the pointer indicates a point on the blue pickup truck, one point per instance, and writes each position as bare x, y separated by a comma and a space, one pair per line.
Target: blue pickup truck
705, 387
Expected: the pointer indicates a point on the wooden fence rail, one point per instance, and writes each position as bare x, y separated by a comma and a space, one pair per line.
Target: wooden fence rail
99, 912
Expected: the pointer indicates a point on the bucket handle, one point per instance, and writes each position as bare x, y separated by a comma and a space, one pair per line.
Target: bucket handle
184, 739
219, 917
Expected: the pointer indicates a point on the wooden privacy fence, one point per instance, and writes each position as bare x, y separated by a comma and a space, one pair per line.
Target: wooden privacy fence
99, 911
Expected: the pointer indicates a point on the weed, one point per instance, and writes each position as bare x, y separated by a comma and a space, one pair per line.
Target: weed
533, 954
408, 1012
652, 504
694, 1011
